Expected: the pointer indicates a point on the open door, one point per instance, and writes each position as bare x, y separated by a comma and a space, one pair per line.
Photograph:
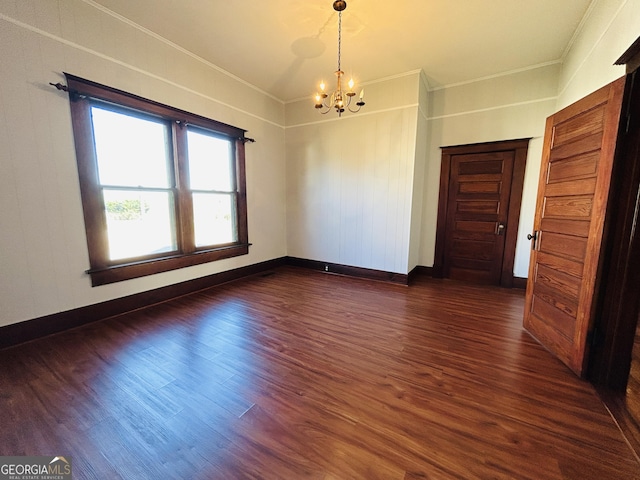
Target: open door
575, 174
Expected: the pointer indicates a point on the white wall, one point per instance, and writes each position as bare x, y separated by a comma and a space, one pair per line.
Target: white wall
418, 196
609, 29
43, 253
504, 107
350, 180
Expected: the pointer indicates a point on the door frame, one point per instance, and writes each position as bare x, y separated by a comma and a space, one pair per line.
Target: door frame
520, 148
618, 301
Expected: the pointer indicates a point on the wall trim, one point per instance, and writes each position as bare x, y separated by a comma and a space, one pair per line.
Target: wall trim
35, 328
563, 88
25, 331
360, 115
578, 31
617, 408
520, 282
496, 107
177, 47
417, 71
420, 271
108, 58
347, 270
28, 330
497, 75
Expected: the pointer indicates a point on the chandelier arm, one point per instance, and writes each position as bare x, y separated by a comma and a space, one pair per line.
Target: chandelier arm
360, 103
348, 102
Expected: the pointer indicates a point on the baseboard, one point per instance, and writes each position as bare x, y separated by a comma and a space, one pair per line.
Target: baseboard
616, 406
421, 270
350, 271
39, 327
28, 330
520, 282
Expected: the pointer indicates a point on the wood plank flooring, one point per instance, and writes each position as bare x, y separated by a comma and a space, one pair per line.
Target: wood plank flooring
304, 375
633, 385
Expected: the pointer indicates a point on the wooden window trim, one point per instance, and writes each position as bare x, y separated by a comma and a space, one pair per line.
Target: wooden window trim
103, 270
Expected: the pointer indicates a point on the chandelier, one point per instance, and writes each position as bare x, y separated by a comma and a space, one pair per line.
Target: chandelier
339, 99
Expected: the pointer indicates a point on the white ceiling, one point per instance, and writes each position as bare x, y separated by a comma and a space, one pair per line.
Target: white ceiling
285, 47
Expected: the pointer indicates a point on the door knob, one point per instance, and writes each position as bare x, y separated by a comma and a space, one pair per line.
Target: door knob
500, 229
532, 236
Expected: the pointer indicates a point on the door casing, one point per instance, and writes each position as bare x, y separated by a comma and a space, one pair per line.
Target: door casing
619, 302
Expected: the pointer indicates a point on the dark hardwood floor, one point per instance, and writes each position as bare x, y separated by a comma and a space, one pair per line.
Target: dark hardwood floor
633, 386
300, 374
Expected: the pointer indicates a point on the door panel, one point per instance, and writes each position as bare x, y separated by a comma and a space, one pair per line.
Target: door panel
573, 167
574, 182
564, 246
576, 187
568, 227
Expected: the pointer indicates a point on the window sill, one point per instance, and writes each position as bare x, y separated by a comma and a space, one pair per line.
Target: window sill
118, 273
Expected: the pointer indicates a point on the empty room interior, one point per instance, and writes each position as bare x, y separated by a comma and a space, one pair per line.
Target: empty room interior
305, 239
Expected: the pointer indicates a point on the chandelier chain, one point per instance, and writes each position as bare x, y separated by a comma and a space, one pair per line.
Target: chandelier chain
339, 37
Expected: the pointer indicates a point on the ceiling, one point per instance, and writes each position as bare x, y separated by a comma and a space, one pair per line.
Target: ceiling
285, 47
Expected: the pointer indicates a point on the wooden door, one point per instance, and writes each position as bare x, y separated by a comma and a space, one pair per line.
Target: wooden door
479, 208
573, 190
479, 191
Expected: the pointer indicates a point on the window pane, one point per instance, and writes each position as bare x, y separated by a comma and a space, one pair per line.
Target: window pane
209, 162
131, 151
213, 217
139, 223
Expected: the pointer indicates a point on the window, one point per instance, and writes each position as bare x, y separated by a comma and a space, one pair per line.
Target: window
161, 188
